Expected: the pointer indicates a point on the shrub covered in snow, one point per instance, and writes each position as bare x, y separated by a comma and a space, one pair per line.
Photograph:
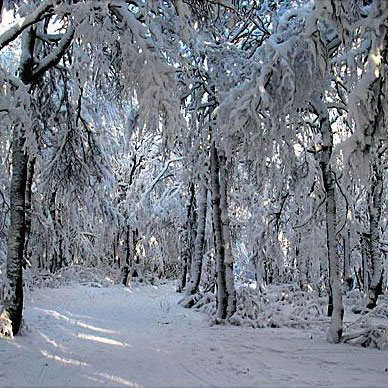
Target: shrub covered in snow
277, 306
72, 274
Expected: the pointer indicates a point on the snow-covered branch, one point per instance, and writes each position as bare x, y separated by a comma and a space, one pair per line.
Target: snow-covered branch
43, 10
56, 55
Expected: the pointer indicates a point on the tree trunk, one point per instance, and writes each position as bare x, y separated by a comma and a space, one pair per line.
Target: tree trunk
258, 261
335, 293
53, 251
128, 253
347, 260
13, 300
364, 256
13, 303
185, 243
229, 276
374, 207
226, 295
13, 293
196, 265
131, 240
30, 176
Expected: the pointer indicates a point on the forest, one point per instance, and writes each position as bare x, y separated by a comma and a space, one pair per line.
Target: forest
223, 161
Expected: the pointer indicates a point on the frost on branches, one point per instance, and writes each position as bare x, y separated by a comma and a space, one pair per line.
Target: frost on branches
238, 147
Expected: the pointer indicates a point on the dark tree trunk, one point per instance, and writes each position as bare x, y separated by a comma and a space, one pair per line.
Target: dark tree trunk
13, 296
196, 265
13, 303
347, 260
185, 243
129, 251
53, 214
226, 296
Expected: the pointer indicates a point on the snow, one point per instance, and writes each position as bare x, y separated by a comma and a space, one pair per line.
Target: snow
140, 336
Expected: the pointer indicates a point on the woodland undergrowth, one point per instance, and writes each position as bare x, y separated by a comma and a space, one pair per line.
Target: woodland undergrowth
285, 306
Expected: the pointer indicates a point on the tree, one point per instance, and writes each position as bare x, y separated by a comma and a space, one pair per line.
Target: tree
30, 73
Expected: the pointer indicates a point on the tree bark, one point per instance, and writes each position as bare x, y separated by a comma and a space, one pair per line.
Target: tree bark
226, 295
13, 301
30, 177
347, 260
131, 240
229, 276
185, 243
364, 255
29, 72
196, 265
258, 261
328, 176
13, 293
374, 207
53, 257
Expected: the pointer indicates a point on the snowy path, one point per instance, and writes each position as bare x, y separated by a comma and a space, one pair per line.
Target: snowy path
84, 336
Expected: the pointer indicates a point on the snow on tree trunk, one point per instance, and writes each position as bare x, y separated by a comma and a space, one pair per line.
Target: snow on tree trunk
229, 277
364, 255
53, 215
226, 295
367, 107
196, 265
328, 177
30, 176
13, 300
374, 207
29, 72
13, 292
257, 263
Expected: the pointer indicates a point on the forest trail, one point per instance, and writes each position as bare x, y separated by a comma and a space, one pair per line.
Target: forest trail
139, 336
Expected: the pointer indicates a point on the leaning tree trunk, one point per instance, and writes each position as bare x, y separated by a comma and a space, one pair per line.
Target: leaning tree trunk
196, 265
13, 292
226, 295
335, 308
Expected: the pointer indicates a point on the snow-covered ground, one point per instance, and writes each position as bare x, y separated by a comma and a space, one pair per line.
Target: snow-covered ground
84, 336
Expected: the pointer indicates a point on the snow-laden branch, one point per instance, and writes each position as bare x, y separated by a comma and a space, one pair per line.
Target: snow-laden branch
55, 56
337, 105
49, 38
311, 216
160, 176
11, 34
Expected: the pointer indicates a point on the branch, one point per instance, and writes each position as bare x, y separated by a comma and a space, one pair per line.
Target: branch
10, 35
55, 56
337, 105
346, 202
312, 214
160, 175
49, 38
